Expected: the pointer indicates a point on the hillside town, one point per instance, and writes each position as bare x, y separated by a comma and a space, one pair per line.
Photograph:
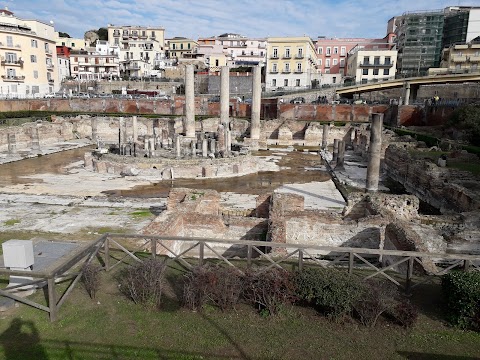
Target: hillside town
39, 61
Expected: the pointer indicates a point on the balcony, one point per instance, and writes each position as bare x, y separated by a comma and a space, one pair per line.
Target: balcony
286, 71
10, 62
474, 58
274, 71
48, 52
298, 71
273, 57
459, 58
51, 81
116, 33
20, 78
10, 46
328, 54
262, 46
286, 56
368, 64
299, 56
50, 67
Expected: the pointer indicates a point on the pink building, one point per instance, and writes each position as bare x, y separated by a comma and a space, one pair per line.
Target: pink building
332, 52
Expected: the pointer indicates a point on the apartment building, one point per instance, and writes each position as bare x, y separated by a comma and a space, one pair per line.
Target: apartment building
462, 58
419, 41
371, 63
178, 47
139, 46
75, 44
28, 57
462, 25
291, 63
88, 65
63, 63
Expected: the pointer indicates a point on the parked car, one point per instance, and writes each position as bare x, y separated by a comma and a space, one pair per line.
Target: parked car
360, 102
214, 99
298, 100
49, 96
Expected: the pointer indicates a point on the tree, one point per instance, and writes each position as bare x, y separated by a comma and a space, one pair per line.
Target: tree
102, 34
467, 118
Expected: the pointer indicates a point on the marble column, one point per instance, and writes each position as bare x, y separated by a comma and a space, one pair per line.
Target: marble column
325, 136
256, 103
189, 101
374, 151
224, 95
335, 150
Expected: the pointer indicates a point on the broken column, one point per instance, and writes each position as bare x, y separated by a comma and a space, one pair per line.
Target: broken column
204, 148
178, 150
325, 136
151, 147
256, 103
335, 150
94, 129
341, 155
135, 129
189, 102
374, 150
224, 94
193, 146
213, 148
35, 139
12, 143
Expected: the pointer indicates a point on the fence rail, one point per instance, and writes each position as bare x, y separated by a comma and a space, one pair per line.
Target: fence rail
195, 251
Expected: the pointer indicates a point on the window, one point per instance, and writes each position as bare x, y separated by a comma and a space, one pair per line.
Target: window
287, 67
376, 60
73, 45
216, 62
366, 60
11, 73
34, 44
387, 60
335, 62
274, 67
188, 46
364, 81
47, 49
35, 76
287, 52
328, 51
300, 52
334, 79
343, 51
320, 62
365, 72
10, 57
275, 52
285, 82
327, 63
386, 71
320, 50
153, 34
335, 50
297, 82
299, 67
375, 71
342, 62
9, 41
181, 46
33, 58
143, 33
274, 82
35, 89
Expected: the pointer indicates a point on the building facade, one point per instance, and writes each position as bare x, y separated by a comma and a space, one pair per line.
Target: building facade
462, 25
419, 41
178, 47
139, 47
88, 66
28, 57
291, 63
75, 44
461, 58
368, 64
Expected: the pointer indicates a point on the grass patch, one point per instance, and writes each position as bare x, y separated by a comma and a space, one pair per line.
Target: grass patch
141, 213
11, 222
84, 331
474, 168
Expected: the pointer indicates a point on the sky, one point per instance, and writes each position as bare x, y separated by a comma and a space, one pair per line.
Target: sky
206, 18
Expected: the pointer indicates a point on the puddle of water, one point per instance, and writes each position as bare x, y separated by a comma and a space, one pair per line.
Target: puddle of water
17, 172
296, 172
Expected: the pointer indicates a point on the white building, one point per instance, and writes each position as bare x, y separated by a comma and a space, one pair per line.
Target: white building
28, 57
371, 63
139, 47
63, 67
90, 65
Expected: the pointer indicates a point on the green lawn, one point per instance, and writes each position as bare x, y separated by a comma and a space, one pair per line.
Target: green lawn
112, 327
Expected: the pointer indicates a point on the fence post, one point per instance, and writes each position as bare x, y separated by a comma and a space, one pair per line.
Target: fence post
466, 265
106, 244
249, 256
52, 298
153, 247
300, 259
351, 257
408, 284
201, 254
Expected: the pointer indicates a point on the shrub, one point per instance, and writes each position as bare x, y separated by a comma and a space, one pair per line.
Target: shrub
376, 298
91, 279
332, 291
269, 290
462, 297
144, 282
218, 285
405, 313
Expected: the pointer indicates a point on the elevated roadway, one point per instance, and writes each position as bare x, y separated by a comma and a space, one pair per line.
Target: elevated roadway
410, 85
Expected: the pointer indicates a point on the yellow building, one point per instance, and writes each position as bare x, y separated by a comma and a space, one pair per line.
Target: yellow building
291, 63
75, 44
178, 46
461, 58
28, 57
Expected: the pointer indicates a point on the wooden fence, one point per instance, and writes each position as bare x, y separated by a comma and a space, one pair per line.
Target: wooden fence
196, 251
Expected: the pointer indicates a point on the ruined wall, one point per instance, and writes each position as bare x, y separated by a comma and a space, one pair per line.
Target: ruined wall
324, 112
449, 190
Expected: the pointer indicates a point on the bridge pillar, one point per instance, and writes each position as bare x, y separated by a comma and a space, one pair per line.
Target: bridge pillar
407, 94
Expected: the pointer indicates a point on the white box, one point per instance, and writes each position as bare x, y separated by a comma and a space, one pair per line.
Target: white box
18, 253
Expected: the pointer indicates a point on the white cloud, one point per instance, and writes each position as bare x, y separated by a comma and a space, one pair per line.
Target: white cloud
256, 18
